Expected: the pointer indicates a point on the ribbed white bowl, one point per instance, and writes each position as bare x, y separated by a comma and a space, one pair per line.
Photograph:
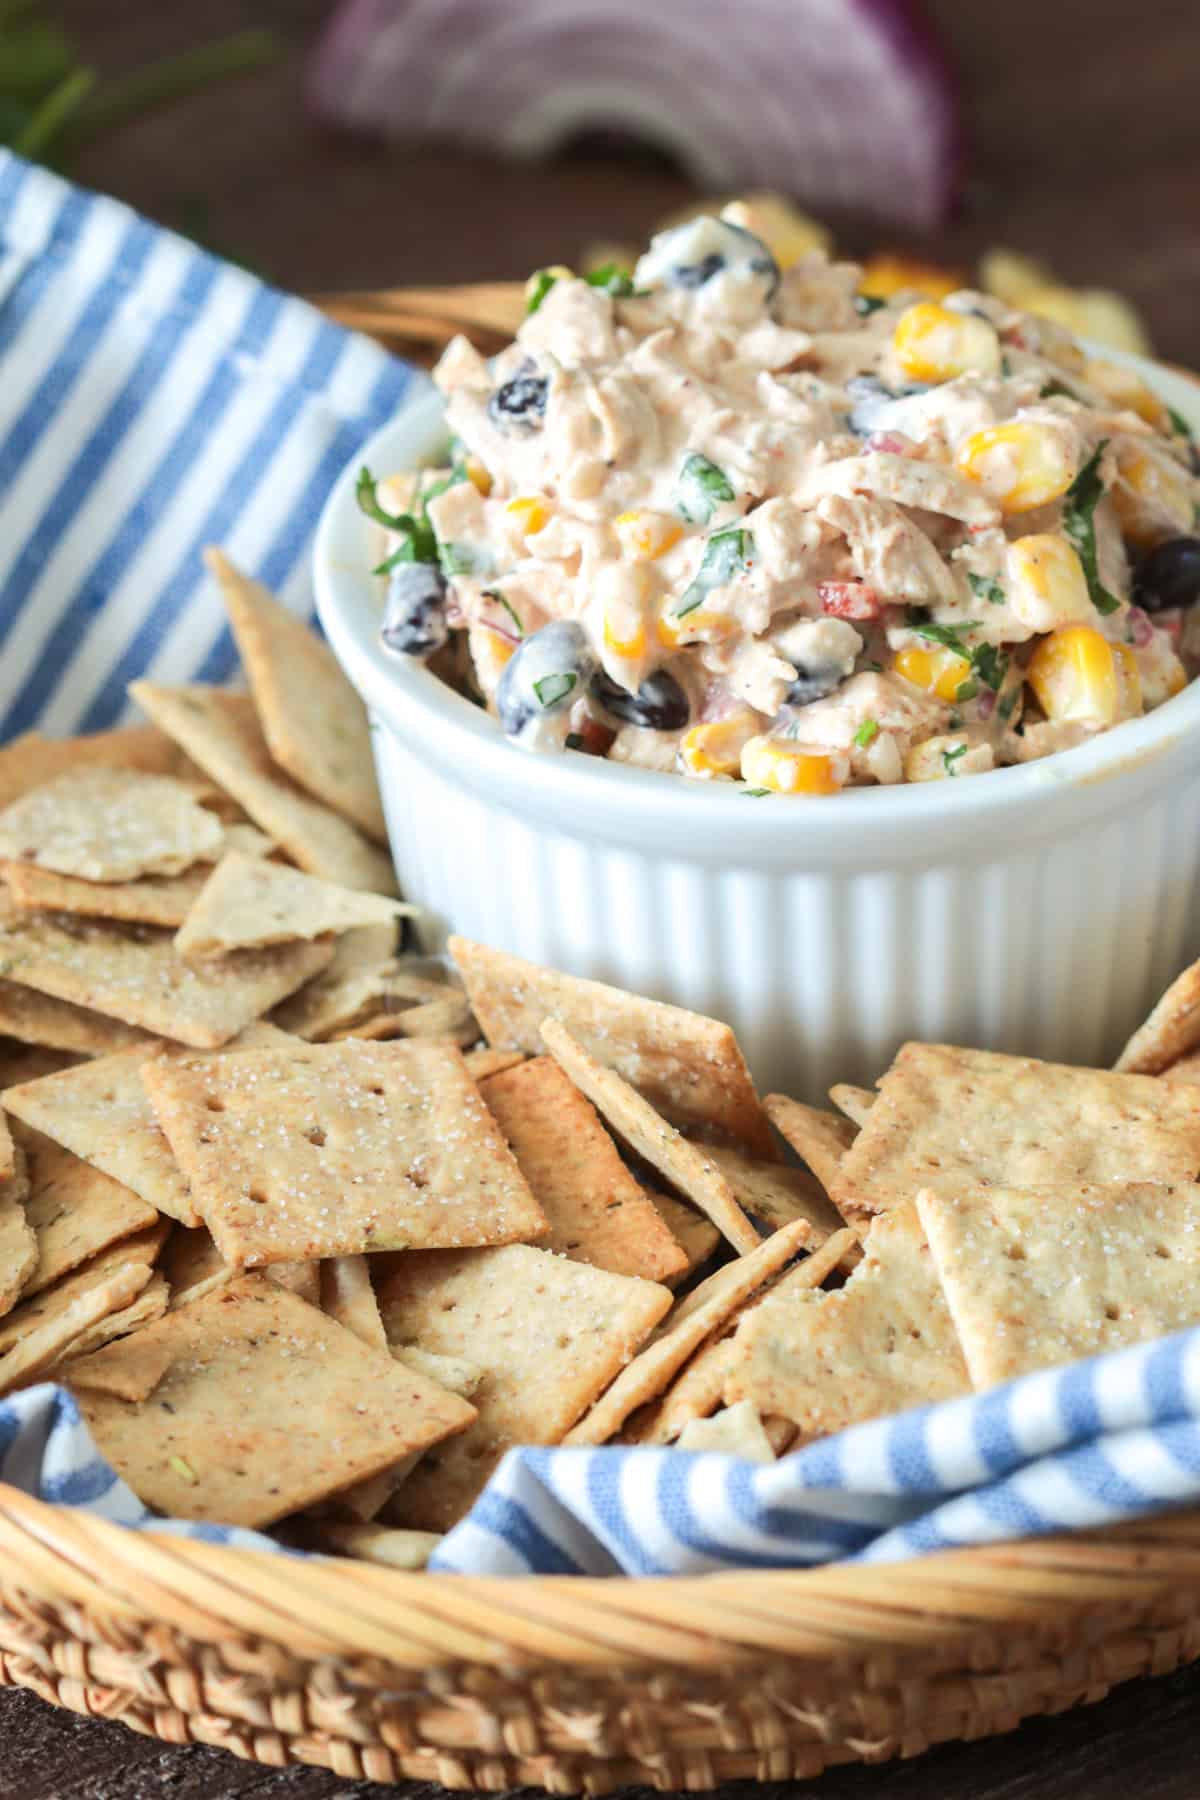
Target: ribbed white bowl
1039, 909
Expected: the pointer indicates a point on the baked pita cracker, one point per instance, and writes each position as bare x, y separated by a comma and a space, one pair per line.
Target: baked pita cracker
598, 1213
41, 1348
248, 903
685, 1165
550, 1333
1034, 1278
137, 975
155, 900
318, 1150
129, 1368
300, 1427
389, 1547
776, 1192
820, 1139
949, 1118
109, 825
855, 1102
696, 1236
348, 1297
365, 977
18, 1241
32, 1312
883, 1342
313, 721
38, 1019
33, 760
73, 1210
735, 1431
688, 1067
704, 1311
221, 732
1171, 1031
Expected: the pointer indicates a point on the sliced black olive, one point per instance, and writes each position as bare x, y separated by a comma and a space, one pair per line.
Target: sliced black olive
660, 704
545, 676
520, 402
1168, 576
414, 615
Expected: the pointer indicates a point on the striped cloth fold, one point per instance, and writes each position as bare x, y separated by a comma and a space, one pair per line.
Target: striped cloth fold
153, 400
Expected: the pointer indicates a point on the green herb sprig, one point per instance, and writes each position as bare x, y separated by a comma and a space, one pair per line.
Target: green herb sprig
420, 543
1079, 523
726, 554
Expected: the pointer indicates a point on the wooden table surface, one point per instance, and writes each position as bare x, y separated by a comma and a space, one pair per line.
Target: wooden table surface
1085, 148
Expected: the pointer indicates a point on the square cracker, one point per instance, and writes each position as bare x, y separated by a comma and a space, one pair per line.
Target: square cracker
1035, 1278
704, 1311
948, 1118
685, 1165
128, 1366
365, 977
598, 1213
39, 1019
854, 1102
32, 760
550, 1333
1172, 1029
320, 1150
736, 1431
221, 731
74, 1211
1186, 1069
348, 1297
313, 721
301, 1427
883, 1342
109, 825
149, 1305
696, 1236
248, 903
690, 1068
153, 900
39, 1349
136, 975
35, 1311
18, 1241
819, 1138
776, 1192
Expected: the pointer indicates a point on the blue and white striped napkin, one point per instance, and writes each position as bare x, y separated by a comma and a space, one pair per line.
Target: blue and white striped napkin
154, 400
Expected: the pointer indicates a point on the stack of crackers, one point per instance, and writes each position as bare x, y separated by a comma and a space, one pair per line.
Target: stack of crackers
316, 1230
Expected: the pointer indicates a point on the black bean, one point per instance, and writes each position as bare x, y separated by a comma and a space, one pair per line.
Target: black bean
814, 684
545, 676
519, 404
870, 399
660, 704
1168, 576
414, 615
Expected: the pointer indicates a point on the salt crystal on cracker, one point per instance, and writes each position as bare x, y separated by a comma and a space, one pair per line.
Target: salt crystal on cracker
109, 825
74, 1210
248, 903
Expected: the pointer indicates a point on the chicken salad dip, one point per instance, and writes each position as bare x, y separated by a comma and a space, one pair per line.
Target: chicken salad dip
743, 523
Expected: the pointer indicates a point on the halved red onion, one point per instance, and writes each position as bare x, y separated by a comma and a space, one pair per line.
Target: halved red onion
843, 103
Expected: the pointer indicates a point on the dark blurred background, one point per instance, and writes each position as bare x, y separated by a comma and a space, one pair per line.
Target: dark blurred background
1081, 122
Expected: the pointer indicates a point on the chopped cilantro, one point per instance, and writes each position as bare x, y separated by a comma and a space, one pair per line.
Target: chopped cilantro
1008, 705
1006, 367
866, 304
1179, 424
946, 635
986, 661
989, 664
726, 554
494, 594
700, 488
614, 280
986, 587
419, 544
754, 793
867, 732
540, 283
950, 757
967, 690
1079, 524
553, 688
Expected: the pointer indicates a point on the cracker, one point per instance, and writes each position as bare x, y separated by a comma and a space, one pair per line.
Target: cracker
101, 1111
883, 1342
453, 1372
138, 976
447, 1015
1186, 1069
483, 1063
704, 1311
695, 1393
42, 1347
776, 1192
248, 903
149, 1305
320, 1150
855, 1102
154, 900
32, 1313
598, 1213
7, 1158
129, 1369
1172, 1029
300, 1428
735, 1431
18, 1241
365, 977
1033, 1278
389, 1547
301, 1278
550, 1333
684, 1164
819, 1138
696, 1236
314, 722
51, 1024
948, 1118
32, 760
220, 730
690, 1068
348, 1297
74, 1210
109, 825
20, 1062
189, 1258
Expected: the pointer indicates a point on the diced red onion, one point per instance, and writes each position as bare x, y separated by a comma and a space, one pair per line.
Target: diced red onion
844, 103
889, 442
1140, 627
985, 705
849, 600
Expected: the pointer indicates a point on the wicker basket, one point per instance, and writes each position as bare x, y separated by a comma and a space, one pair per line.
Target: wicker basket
581, 1685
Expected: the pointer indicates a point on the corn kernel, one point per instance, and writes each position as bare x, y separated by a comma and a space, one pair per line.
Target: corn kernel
646, 535
478, 476
1079, 677
788, 233
698, 626
624, 636
1128, 391
1152, 495
1021, 465
530, 512
934, 344
783, 768
939, 671
1047, 586
890, 273
716, 748
1177, 680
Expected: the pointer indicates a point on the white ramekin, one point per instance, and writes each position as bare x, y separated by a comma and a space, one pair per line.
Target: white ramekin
1039, 909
